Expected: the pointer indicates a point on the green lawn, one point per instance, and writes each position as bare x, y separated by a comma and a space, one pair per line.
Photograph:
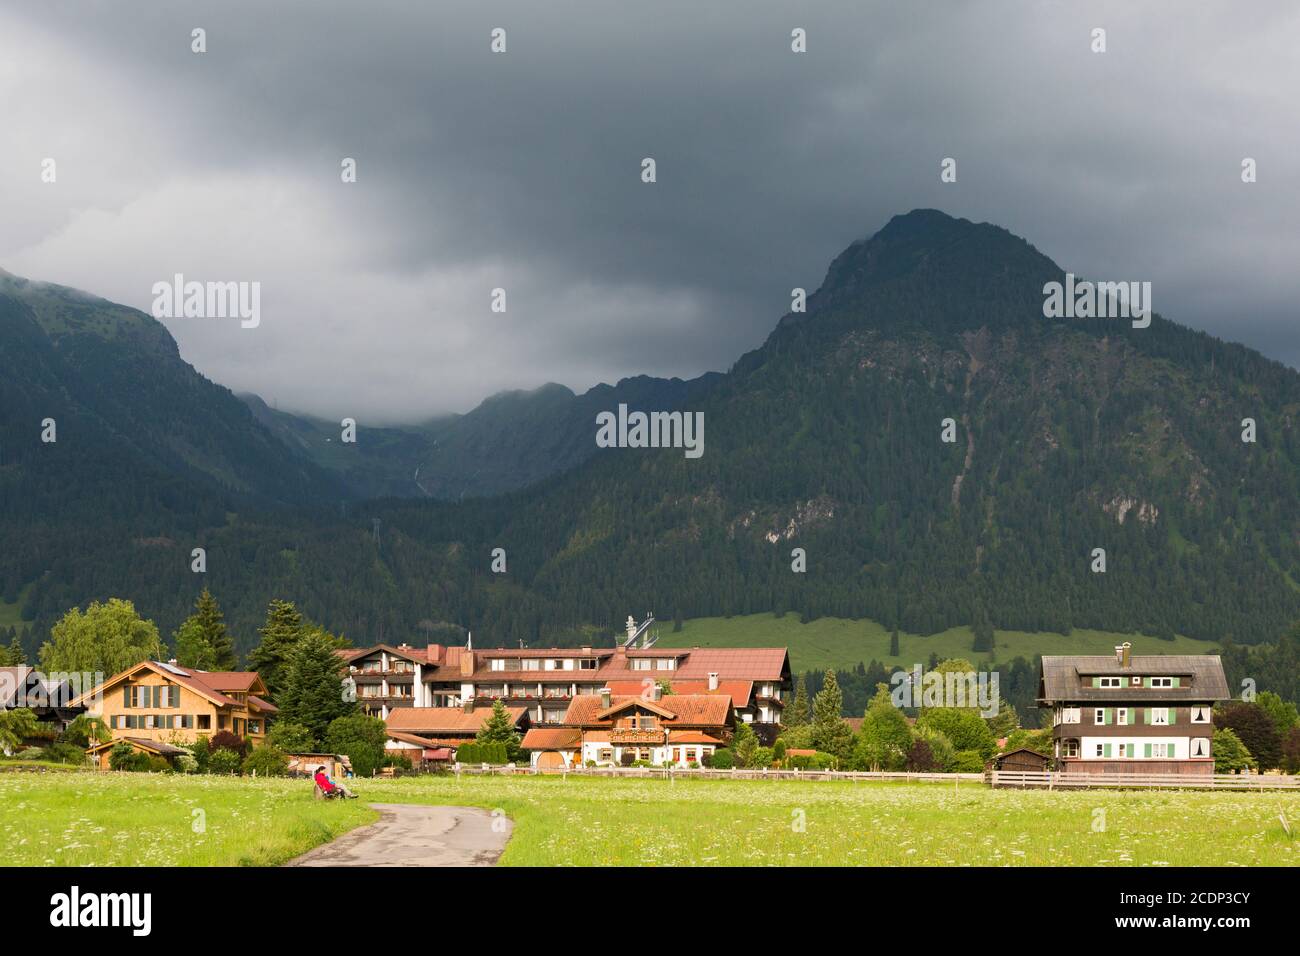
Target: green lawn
89, 818
840, 643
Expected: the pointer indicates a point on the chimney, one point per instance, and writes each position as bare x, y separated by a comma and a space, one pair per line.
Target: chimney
1124, 650
604, 698
433, 653
466, 663
657, 692
468, 705
713, 680
586, 648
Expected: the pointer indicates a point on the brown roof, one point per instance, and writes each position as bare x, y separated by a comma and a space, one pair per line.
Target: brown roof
227, 680
195, 680
1068, 678
552, 738
155, 746
445, 720
695, 710
740, 691
410, 738
735, 663
691, 737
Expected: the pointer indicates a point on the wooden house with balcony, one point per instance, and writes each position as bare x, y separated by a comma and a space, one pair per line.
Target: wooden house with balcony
1133, 713
657, 729
155, 707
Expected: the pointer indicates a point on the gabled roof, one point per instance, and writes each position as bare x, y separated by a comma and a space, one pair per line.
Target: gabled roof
735, 663
195, 680
741, 692
444, 720
1068, 678
625, 703
552, 738
693, 710
12, 680
141, 743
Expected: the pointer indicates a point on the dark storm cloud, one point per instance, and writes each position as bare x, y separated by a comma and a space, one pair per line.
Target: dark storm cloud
521, 170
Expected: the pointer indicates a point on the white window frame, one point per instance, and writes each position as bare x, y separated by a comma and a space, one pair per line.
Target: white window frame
1111, 683
1099, 716
1160, 716
1121, 717
1163, 682
1209, 715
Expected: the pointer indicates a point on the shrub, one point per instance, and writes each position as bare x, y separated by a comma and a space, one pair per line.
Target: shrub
224, 761
225, 740
398, 761
778, 750
723, 759
121, 756
185, 763
291, 738
968, 761
813, 761
920, 757
361, 738
764, 756
267, 761
31, 753
66, 753
201, 752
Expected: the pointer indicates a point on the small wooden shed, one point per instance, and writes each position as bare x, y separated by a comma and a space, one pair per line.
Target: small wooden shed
1023, 759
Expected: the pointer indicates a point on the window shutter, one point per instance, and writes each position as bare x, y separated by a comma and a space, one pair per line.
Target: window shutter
1105, 751
1109, 716
1170, 712
1096, 682
126, 695
1146, 717
1176, 680
1148, 750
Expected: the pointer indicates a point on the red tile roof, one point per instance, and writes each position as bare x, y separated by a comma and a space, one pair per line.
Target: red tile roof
695, 710
735, 663
740, 691
691, 737
552, 738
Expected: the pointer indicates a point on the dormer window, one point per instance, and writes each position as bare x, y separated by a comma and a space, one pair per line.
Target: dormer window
1112, 682
1162, 682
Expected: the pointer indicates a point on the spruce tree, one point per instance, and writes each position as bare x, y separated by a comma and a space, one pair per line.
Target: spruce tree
796, 715
830, 733
212, 625
280, 635
500, 729
191, 648
311, 693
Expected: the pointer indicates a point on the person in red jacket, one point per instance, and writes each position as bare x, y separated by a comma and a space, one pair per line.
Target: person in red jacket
329, 787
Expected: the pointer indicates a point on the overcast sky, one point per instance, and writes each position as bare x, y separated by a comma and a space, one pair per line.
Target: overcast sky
522, 170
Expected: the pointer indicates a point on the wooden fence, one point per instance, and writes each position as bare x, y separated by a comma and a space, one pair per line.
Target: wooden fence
1054, 780
704, 773
1045, 780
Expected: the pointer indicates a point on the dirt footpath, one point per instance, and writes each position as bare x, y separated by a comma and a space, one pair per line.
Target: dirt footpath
412, 835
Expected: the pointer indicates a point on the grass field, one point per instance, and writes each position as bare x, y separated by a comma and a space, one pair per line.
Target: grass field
840, 643
136, 819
